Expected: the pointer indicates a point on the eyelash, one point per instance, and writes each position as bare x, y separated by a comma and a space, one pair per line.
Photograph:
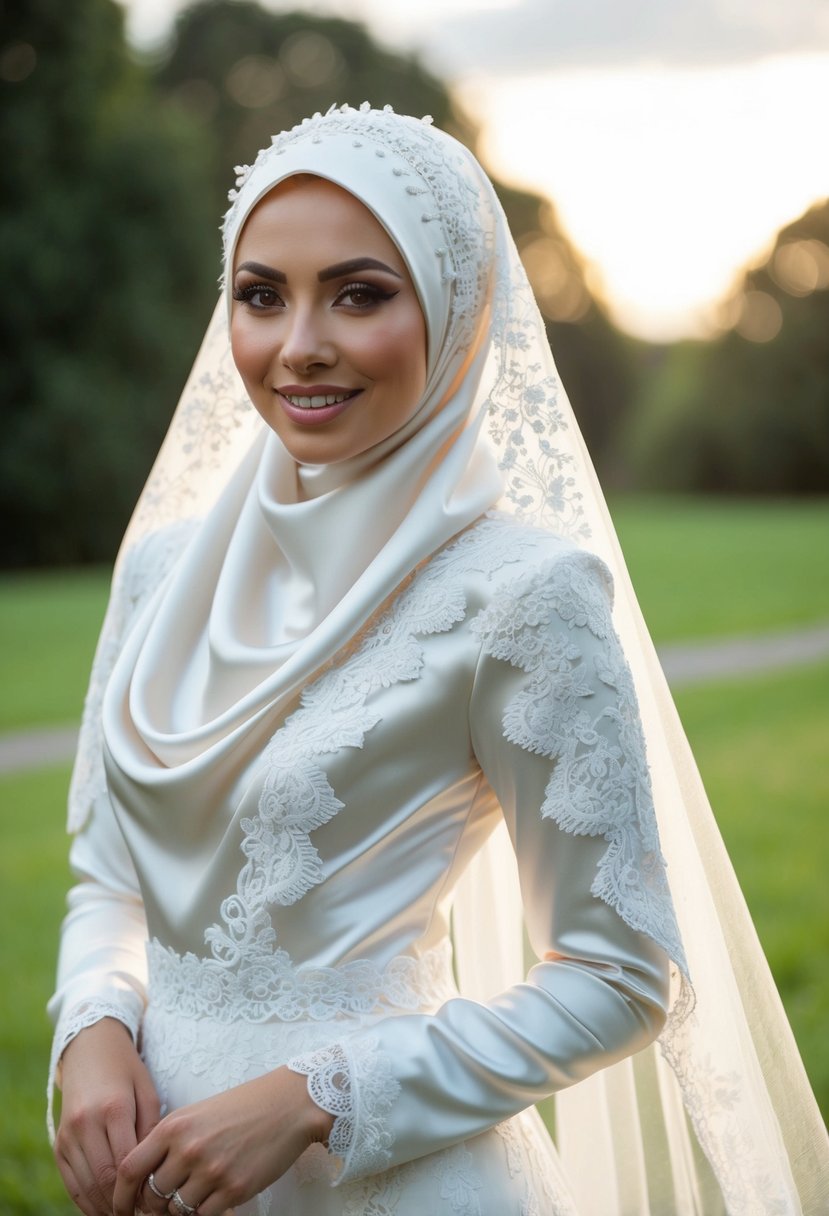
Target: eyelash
376, 295
245, 295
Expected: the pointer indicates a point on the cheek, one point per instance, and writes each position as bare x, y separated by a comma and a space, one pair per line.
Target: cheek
397, 354
251, 350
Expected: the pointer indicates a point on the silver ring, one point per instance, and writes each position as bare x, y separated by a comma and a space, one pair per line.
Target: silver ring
181, 1207
151, 1183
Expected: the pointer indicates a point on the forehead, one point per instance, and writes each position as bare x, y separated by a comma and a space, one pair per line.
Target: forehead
311, 215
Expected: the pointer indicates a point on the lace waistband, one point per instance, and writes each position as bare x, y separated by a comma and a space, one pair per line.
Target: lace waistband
281, 991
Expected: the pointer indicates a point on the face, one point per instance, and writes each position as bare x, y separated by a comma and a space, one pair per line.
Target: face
326, 328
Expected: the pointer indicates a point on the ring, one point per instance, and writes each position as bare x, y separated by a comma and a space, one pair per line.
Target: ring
151, 1183
181, 1207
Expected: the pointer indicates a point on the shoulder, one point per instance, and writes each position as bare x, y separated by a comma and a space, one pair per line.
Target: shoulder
533, 576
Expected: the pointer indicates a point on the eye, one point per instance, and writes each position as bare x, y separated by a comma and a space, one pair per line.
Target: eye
258, 295
360, 297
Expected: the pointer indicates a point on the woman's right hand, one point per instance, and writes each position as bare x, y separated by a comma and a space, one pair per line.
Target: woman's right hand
109, 1105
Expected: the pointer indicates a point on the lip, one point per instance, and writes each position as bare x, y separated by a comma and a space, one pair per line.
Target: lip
315, 416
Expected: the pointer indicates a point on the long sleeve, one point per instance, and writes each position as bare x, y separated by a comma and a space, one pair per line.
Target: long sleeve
554, 726
102, 959
102, 967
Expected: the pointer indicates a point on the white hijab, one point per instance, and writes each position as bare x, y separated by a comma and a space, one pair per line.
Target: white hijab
253, 607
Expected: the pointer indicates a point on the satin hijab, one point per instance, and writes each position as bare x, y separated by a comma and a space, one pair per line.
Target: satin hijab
260, 597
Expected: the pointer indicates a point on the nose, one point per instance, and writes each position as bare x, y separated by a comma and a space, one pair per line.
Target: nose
305, 343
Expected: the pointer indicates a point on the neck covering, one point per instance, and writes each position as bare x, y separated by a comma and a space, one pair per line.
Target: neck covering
264, 594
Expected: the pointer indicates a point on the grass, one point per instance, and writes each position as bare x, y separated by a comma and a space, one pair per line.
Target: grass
701, 569
33, 881
49, 624
761, 746
712, 567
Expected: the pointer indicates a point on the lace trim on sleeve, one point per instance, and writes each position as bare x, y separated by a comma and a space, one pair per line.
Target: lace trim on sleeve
86, 1013
353, 1081
600, 785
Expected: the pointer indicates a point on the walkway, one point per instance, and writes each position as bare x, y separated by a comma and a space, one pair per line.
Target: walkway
693, 663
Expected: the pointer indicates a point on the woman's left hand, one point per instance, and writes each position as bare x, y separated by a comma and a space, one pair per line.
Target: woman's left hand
223, 1151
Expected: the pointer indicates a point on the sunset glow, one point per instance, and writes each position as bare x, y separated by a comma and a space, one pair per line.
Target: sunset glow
669, 174
667, 182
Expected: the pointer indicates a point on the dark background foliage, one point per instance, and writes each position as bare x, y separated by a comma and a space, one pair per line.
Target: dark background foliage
116, 171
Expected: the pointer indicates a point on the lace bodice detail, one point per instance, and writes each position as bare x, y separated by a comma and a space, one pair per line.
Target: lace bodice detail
246, 966
579, 708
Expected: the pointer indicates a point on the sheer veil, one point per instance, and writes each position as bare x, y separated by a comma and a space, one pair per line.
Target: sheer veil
718, 1115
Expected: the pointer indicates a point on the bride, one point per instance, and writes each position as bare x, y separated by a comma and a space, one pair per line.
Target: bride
372, 683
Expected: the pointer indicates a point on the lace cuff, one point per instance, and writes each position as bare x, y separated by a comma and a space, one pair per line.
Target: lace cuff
353, 1081
127, 1010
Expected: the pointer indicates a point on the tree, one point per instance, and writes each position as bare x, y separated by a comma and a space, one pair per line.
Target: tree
101, 227
116, 173
244, 73
749, 412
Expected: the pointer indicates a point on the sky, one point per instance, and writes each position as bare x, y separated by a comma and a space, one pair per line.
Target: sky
675, 137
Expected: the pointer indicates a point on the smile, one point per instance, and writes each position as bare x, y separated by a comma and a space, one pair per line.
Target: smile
317, 401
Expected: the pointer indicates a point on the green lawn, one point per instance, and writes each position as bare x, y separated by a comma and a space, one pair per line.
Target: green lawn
49, 624
709, 567
701, 570
33, 880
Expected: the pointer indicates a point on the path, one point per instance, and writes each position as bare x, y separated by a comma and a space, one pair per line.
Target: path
684, 664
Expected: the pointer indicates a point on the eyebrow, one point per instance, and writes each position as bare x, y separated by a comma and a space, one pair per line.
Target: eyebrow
352, 266
266, 272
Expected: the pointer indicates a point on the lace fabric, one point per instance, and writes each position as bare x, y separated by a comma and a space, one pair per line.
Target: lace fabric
126, 1007
354, 1081
247, 973
598, 786
732, 1052
198, 988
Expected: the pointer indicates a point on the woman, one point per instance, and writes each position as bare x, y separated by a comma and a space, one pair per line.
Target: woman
336, 694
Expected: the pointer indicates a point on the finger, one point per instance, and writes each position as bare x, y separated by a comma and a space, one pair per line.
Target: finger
151, 1200
121, 1140
89, 1155
73, 1187
80, 1182
147, 1108
147, 1113
144, 1159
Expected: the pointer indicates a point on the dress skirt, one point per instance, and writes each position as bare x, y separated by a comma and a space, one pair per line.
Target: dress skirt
510, 1170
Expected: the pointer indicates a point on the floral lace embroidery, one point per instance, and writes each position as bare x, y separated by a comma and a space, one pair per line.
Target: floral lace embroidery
282, 862
599, 784
205, 988
434, 176
353, 1081
527, 421
72, 1021
459, 1181
715, 1102
531, 1157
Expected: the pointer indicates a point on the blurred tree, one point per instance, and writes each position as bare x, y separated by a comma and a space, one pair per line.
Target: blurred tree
749, 412
117, 172
243, 73
102, 224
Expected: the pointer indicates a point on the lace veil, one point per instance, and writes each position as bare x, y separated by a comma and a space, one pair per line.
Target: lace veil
718, 1115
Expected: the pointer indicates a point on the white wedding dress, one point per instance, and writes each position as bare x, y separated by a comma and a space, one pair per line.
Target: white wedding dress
313, 927
332, 706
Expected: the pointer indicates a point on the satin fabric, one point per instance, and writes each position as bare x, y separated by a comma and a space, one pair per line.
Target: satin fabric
428, 710
198, 687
